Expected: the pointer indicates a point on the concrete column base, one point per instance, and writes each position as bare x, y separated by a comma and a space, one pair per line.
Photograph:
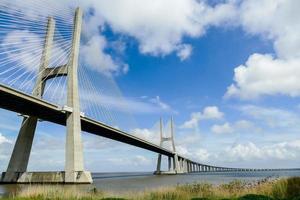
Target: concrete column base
172, 172
82, 177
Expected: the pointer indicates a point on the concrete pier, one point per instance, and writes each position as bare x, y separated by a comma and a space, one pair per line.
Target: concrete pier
74, 169
20, 156
177, 166
74, 153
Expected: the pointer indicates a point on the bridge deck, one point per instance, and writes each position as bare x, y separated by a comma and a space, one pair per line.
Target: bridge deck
16, 101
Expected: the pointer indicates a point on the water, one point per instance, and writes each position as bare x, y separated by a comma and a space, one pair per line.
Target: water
124, 182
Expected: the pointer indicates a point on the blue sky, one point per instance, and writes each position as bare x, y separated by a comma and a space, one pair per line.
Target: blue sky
227, 71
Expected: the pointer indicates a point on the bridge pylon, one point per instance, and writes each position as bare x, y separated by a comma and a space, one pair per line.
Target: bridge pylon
74, 166
175, 166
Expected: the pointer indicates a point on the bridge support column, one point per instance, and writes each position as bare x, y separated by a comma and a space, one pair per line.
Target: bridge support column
169, 164
74, 169
185, 166
20, 156
188, 166
181, 165
177, 165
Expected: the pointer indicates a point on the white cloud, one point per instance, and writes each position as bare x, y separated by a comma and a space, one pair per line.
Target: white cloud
27, 44
3, 139
187, 138
247, 151
272, 117
182, 150
221, 129
159, 31
287, 150
124, 104
210, 112
93, 55
5, 151
138, 160
202, 154
24, 49
264, 74
109, 100
196, 154
184, 51
36, 10
147, 134
157, 101
277, 21
95, 143
240, 126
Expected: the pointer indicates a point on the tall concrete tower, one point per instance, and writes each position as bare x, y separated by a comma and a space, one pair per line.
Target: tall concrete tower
175, 158
74, 153
74, 166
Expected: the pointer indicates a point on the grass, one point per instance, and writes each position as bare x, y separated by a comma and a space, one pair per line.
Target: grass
283, 189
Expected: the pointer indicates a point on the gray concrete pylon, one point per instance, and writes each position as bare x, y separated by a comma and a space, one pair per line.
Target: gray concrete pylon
176, 161
20, 156
169, 163
74, 166
158, 167
172, 134
176, 164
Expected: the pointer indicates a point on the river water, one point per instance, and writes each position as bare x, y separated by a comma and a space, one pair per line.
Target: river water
139, 181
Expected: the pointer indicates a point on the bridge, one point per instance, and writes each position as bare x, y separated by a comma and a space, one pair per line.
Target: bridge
33, 108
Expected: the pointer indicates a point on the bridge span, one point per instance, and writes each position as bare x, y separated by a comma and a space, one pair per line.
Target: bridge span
28, 105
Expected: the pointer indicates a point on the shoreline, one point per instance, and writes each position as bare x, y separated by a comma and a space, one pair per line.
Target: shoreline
266, 188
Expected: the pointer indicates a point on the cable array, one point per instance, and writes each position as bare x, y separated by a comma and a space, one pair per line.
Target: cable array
23, 27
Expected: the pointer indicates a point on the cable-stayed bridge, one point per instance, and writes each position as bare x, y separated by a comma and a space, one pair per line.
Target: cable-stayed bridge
36, 73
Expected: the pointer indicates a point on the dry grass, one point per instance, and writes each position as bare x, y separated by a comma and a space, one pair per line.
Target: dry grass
280, 189
54, 192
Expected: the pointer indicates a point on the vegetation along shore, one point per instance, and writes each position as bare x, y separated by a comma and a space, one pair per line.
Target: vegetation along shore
287, 188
